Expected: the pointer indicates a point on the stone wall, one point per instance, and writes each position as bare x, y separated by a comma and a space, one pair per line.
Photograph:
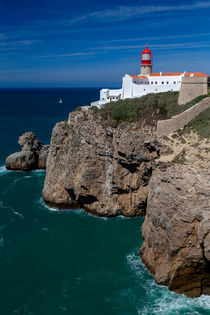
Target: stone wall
191, 88
166, 127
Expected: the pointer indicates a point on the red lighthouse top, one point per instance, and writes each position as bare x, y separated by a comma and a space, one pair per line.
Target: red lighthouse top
146, 56
147, 51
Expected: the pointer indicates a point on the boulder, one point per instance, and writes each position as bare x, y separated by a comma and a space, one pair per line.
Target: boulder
23, 161
33, 155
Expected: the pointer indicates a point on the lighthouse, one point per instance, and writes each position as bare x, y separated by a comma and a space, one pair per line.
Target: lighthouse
146, 62
155, 82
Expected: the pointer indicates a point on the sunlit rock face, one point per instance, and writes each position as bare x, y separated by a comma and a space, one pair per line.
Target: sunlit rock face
100, 166
112, 169
176, 230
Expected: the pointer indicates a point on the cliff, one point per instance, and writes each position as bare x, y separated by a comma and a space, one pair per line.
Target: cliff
100, 166
113, 167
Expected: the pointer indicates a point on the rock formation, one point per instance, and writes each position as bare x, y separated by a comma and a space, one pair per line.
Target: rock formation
33, 155
108, 169
99, 166
176, 230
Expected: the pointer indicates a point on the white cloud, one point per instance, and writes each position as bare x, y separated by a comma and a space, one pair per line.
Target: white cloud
188, 45
18, 43
128, 12
179, 36
75, 54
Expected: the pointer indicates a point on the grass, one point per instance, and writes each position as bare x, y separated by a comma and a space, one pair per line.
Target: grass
200, 124
151, 107
134, 109
178, 109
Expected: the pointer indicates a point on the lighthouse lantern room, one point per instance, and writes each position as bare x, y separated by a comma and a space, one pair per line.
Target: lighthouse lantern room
146, 61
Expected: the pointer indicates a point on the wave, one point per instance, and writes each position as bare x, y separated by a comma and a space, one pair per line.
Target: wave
163, 301
2, 227
43, 204
80, 212
12, 210
3, 170
39, 173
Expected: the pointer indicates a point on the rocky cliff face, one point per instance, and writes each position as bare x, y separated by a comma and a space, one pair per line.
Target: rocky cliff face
176, 230
32, 156
111, 169
102, 168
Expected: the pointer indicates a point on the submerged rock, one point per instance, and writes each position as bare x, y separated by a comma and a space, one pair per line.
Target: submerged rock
99, 166
32, 156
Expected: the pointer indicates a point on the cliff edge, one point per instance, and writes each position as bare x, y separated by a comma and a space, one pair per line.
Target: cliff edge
112, 167
100, 166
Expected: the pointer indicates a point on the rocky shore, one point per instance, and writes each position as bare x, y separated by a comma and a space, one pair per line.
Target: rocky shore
124, 169
110, 169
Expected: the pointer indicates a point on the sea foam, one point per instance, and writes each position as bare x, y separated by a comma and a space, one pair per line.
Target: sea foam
3, 170
163, 301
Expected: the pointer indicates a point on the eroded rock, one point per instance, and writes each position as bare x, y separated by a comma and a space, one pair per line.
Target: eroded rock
176, 230
102, 168
33, 155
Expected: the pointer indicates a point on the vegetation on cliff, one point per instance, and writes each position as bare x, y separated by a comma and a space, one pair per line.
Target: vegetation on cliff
200, 124
151, 107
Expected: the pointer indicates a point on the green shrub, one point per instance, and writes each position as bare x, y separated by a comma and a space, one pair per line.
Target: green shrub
163, 105
133, 109
200, 124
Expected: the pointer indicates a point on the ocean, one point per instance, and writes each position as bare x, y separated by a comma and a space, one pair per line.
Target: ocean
67, 262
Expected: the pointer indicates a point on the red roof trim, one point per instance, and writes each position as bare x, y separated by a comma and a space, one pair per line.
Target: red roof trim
196, 74
138, 76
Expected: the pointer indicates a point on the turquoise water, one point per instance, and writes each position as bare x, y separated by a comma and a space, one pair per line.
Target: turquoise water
67, 262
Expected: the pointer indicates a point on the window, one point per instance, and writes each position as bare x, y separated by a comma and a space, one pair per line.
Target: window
162, 82
152, 82
167, 82
155, 82
174, 82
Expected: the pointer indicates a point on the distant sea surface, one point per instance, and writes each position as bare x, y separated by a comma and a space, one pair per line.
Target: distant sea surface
67, 262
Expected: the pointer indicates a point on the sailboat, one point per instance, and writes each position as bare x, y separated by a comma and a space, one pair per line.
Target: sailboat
60, 101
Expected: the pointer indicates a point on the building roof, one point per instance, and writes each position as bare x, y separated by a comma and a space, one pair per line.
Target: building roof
138, 76
187, 74
196, 74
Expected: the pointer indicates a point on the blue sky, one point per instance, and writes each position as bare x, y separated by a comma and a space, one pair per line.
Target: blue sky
68, 43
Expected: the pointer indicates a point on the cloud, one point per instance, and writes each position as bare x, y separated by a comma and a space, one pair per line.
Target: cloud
17, 44
188, 45
179, 36
128, 12
75, 54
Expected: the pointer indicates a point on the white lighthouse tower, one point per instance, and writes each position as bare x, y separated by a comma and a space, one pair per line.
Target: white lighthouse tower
146, 62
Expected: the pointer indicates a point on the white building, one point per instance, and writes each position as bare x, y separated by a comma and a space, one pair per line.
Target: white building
144, 83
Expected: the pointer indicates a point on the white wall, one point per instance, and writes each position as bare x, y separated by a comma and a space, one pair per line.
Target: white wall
127, 87
136, 87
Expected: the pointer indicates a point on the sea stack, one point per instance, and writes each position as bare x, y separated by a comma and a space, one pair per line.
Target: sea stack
32, 156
